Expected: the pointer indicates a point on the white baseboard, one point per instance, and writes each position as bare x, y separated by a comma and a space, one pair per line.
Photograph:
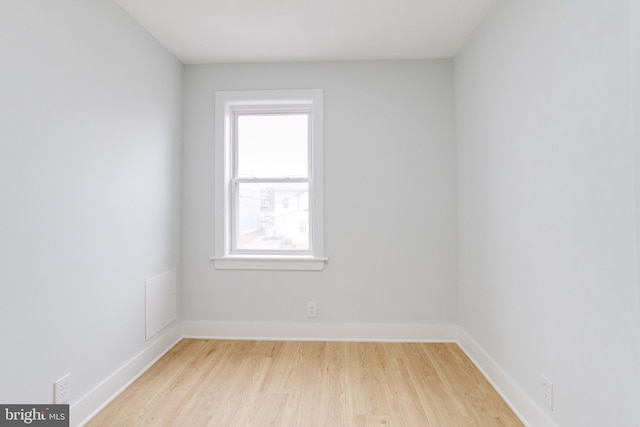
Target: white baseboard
94, 401
531, 414
320, 331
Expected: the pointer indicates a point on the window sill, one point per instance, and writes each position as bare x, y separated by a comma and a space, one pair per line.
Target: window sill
267, 262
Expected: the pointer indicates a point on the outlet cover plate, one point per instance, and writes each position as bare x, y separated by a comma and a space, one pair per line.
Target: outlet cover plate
61, 390
312, 309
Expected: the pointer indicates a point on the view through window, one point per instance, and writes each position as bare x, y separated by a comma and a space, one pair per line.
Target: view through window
272, 182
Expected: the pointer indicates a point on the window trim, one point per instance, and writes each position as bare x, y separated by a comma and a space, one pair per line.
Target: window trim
228, 102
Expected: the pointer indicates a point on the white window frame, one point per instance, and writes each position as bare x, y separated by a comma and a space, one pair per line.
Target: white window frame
227, 103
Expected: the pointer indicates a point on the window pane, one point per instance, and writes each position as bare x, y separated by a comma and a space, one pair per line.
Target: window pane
273, 145
273, 216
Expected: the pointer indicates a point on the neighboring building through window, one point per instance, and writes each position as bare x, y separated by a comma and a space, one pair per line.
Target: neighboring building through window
269, 180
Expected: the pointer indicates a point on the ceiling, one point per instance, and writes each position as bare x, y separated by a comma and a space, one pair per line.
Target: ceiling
215, 31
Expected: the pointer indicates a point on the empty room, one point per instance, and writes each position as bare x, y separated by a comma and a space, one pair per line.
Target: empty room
320, 213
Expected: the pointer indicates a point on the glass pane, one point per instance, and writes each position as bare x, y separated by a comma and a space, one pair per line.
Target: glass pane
273, 145
273, 216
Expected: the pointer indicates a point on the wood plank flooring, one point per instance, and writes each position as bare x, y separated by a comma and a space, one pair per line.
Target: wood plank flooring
306, 384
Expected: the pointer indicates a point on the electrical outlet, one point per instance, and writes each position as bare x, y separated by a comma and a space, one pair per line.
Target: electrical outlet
312, 309
61, 390
547, 392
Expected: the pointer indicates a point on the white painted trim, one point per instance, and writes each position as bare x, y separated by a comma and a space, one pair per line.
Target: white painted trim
101, 395
238, 262
529, 412
225, 103
312, 331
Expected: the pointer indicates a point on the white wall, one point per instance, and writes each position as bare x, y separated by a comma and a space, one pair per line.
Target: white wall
389, 198
547, 261
90, 130
635, 114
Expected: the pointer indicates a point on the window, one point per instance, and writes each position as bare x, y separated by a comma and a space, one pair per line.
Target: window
269, 180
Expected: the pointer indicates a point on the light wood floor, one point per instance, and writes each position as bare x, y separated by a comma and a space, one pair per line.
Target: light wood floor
305, 384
